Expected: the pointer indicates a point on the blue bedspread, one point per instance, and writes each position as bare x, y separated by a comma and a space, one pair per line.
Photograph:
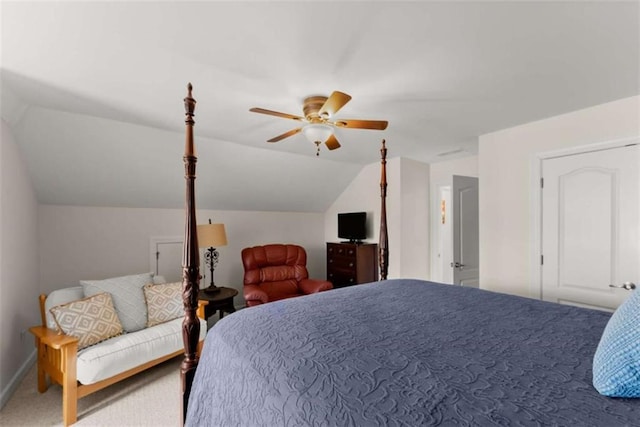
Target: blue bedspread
405, 352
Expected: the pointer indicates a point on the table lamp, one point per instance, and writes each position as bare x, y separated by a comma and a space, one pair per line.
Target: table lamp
211, 236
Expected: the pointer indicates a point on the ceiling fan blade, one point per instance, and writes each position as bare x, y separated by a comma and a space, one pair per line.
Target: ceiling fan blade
362, 124
336, 101
275, 113
285, 135
332, 143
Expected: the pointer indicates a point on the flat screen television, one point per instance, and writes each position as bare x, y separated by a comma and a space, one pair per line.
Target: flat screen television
352, 226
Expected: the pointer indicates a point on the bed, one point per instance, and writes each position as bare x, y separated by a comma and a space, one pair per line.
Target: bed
405, 352
399, 352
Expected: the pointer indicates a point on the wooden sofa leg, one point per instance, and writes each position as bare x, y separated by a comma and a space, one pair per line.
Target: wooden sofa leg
42, 378
69, 385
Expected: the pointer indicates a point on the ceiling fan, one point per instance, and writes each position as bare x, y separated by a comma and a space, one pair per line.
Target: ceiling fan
318, 123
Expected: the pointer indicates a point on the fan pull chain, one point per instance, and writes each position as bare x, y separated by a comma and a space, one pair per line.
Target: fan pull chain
317, 148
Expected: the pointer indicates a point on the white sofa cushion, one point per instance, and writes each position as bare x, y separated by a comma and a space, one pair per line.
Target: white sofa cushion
59, 297
127, 295
158, 280
127, 351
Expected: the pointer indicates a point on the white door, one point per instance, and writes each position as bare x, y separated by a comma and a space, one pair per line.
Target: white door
466, 271
590, 223
166, 258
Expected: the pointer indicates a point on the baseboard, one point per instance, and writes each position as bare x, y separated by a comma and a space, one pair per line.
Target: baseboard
14, 383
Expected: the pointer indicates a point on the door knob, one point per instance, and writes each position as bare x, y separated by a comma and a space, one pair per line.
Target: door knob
457, 265
626, 285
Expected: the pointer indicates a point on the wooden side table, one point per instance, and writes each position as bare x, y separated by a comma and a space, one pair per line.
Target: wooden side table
221, 300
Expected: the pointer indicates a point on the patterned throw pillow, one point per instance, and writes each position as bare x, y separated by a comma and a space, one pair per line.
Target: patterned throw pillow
164, 302
616, 364
127, 295
91, 320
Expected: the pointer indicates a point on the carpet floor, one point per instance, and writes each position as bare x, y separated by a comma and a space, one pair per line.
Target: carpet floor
150, 398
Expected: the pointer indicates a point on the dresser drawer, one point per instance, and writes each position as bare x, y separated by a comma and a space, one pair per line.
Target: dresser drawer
341, 278
341, 262
343, 250
350, 264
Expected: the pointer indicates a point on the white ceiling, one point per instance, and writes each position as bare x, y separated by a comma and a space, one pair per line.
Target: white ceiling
93, 91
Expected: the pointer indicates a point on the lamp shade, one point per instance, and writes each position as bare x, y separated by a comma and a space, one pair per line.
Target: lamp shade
211, 236
317, 132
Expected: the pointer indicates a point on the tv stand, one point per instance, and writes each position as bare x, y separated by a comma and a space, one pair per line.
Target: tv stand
352, 263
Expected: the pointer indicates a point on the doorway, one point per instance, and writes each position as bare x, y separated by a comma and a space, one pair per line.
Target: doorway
466, 226
165, 257
458, 232
445, 248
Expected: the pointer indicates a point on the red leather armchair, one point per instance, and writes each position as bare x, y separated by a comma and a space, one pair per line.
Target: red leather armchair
277, 271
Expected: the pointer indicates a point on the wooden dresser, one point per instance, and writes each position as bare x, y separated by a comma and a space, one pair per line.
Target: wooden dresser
351, 263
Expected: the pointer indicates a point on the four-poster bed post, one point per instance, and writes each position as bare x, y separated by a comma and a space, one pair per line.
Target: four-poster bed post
190, 262
190, 254
383, 245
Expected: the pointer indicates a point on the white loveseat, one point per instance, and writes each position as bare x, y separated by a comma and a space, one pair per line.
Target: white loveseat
83, 370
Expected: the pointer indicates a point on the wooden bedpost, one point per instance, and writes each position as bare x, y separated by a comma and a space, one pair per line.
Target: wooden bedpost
190, 262
383, 245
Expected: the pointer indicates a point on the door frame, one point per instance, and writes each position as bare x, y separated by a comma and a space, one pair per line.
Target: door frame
445, 240
535, 284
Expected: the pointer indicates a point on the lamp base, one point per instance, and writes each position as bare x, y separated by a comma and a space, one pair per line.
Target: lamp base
212, 289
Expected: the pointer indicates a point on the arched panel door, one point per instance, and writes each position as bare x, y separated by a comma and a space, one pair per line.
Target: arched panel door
590, 223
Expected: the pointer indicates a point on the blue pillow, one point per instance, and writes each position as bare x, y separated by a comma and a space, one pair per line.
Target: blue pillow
616, 364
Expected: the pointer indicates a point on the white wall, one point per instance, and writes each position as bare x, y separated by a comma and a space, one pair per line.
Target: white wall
506, 160
407, 213
19, 308
94, 243
363, 194
146, 168
414, 187
441, 174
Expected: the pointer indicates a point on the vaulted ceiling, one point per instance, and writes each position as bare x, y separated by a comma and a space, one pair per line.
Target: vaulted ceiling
93, 90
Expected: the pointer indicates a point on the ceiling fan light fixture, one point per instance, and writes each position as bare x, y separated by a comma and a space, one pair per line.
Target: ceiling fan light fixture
317, 133
317, 128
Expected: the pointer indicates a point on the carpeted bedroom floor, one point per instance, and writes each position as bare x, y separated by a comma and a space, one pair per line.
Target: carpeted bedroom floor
151, 398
